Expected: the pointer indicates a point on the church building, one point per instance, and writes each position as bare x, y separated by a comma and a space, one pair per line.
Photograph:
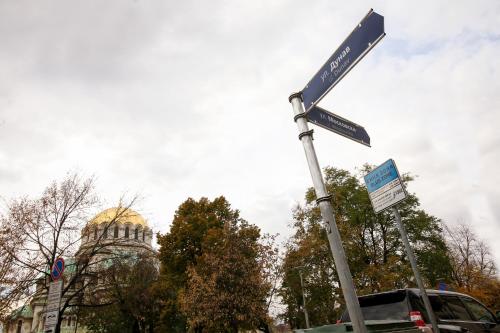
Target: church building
118, 232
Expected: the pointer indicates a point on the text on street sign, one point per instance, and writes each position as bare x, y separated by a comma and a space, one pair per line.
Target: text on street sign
361, 40
339, 125
384, 186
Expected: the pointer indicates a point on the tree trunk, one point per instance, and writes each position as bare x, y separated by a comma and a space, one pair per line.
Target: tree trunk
58, 325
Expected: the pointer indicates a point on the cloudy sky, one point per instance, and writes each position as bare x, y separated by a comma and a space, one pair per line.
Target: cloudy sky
187, 99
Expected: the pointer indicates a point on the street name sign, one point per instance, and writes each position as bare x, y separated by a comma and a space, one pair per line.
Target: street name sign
339, 125
53, 304
384, 186
57, 269
361, 40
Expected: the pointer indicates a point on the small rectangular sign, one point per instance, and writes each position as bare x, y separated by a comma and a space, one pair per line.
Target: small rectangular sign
384, 186
339, 125
361, 40
53, 303
51, 320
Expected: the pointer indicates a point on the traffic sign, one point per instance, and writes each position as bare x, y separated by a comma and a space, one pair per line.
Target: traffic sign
57, 269
384, 186
361, 40
53, 304
339, 125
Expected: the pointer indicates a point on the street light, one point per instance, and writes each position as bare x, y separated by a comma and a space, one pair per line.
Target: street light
304, 308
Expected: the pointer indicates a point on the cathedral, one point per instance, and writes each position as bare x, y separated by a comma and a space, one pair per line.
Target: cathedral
114, 232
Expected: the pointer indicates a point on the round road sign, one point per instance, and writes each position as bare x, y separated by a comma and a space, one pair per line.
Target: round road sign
57, 269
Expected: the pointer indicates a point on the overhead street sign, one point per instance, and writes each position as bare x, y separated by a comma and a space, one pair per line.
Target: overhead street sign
361, 40
339, 125
57, 269
384, 186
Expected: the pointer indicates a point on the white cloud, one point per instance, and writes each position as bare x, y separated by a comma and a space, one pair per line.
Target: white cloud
172, 100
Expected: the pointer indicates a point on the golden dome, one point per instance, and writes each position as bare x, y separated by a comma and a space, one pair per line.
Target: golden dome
120, 214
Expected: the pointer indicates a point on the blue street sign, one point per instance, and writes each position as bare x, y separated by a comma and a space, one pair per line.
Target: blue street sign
381, 176
384, 186
339, 125
57, 269
365, 36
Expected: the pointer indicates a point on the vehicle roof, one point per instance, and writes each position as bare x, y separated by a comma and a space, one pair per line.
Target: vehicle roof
416, 291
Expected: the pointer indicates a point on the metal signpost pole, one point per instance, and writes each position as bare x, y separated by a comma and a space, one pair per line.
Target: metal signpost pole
304, 300
413, 262
326, 208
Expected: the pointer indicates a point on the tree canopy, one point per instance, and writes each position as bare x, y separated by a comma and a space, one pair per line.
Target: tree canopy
372, 243
473, 267
125, 300
35, 232
212, 275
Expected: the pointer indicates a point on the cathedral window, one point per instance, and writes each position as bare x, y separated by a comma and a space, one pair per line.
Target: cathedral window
19, 326
126, 232
105, 233
136, 236
95, 233
115, 235
143, 235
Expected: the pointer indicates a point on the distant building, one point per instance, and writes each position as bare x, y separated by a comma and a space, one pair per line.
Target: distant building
130, 237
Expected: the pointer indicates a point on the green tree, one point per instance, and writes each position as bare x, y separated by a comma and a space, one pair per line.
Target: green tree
193, 223
125, 300
372, 243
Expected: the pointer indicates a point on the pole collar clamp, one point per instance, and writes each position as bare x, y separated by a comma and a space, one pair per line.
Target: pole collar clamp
298, 116
295, 95
326, 198
306, 133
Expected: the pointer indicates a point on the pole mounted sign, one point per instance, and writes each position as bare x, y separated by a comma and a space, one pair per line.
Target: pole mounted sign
54, 296
339, 125
384, 186
368, 32
361, 40
53, 304
386, 190
57, 269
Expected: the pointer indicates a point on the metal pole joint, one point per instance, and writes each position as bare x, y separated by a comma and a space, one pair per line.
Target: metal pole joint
306, 133
325, 198
296, 95
300, 115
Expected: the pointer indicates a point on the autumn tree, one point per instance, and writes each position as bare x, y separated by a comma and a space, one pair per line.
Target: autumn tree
372, 243
225, 288
35, 232
201, 234
125, 300
473, 266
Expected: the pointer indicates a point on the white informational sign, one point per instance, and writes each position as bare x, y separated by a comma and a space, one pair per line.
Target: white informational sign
53, 303
384, 186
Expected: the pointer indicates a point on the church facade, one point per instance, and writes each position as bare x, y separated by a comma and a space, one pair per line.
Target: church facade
111, 234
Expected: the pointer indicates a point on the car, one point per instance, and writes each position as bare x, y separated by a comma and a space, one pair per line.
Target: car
455, 312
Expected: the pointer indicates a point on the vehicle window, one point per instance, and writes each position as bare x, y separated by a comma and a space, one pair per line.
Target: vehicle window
479, 312
440, 309
457, 307
390, 306
386, 306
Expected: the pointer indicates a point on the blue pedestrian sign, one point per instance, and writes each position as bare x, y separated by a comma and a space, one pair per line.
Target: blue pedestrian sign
339, 125
384, 186
57, 269
361, 40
